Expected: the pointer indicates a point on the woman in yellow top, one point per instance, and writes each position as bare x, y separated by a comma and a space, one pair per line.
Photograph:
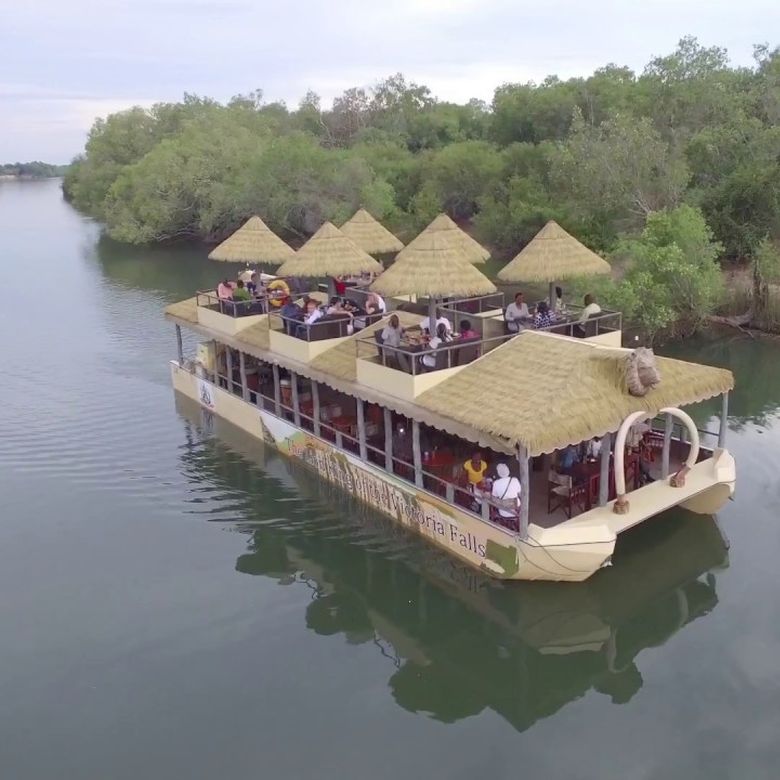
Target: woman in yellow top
475, 468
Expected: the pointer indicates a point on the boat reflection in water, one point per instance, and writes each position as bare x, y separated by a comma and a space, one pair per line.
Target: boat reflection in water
460, 642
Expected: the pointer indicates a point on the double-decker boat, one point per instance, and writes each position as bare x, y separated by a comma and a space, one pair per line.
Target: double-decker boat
396, 434
523, 448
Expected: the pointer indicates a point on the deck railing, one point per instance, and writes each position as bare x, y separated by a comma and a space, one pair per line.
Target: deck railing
210, 300
478, 304
408, 358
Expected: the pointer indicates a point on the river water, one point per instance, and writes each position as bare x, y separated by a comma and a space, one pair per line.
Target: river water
177, 601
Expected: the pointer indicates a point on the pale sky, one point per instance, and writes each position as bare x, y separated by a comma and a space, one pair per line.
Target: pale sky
65, 62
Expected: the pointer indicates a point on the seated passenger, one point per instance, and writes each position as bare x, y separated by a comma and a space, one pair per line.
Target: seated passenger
425, 324
375, 304
253, 283
442, 337
225, 290
517, 314
506, 492
241, 293
591, 310
291, 315
543, 317
475, 469
466, 332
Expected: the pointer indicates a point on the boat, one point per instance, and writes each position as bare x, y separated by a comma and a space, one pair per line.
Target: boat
375, 421
458, 642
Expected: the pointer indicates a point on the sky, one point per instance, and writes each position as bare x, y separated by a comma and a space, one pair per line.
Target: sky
65, 62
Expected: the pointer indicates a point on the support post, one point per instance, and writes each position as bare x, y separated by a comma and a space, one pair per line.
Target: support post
552, 296
388, 441
432, 316
179, 344
242, 373
724, 419
277, 391
525, 496
417, 454
606, 451
668, 425
229, 368
296, 406
361, 426
315, 406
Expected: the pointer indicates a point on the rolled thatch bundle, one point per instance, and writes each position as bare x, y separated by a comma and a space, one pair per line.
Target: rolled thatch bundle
371, 236
553, 255
253, 242
472, 250
329, 253
642, 373
433, 266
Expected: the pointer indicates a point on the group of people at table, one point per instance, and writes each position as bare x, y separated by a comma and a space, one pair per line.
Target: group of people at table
518, 316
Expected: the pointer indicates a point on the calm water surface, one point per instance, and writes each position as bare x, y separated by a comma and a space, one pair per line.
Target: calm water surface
177, 601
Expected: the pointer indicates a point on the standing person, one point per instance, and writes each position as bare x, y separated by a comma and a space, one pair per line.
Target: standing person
517, 314
391, 336
475, 469
560, 306
425, 324
506, 493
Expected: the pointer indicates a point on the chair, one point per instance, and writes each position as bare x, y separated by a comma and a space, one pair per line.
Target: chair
468, 352
559, 488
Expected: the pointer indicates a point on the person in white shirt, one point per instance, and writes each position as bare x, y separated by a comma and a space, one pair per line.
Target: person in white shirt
591, 308
517, 314
375, 304
440, 320
313, 313
506, 491
593, 449
441, 337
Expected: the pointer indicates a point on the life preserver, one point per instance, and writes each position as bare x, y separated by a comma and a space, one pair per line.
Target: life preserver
274, 288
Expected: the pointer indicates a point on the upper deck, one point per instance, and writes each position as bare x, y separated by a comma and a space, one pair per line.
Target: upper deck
352, 348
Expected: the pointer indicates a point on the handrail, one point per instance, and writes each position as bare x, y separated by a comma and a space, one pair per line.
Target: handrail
410, 353
292, 326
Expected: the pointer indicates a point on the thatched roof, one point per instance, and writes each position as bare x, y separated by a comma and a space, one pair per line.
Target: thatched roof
253, 242
371, 236
473, 250
329, 253
186, 310
435, 266
553, 255
340, 360
545, 391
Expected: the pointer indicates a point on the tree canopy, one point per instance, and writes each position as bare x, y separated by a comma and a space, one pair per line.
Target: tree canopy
598, 154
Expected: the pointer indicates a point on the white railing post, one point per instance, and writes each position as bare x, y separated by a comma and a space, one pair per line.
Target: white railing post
724, 420
179, 344
417, 454
277, 391
666, 451
296, 406
242, 373
388, 441
525, 495
606, 451
315, 406
361, 426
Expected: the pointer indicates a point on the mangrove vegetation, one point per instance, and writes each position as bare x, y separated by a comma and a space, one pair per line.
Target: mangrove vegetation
673, 173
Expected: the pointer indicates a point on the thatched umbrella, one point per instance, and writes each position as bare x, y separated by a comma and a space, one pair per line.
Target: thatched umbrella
471, 249
253, 242
329, 253
371, 236
553, 255
434, 266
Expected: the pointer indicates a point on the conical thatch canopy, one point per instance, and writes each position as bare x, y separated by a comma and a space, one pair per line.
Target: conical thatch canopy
329, 253
253, 242
433, 266
473, 251
371, 236
553, 255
